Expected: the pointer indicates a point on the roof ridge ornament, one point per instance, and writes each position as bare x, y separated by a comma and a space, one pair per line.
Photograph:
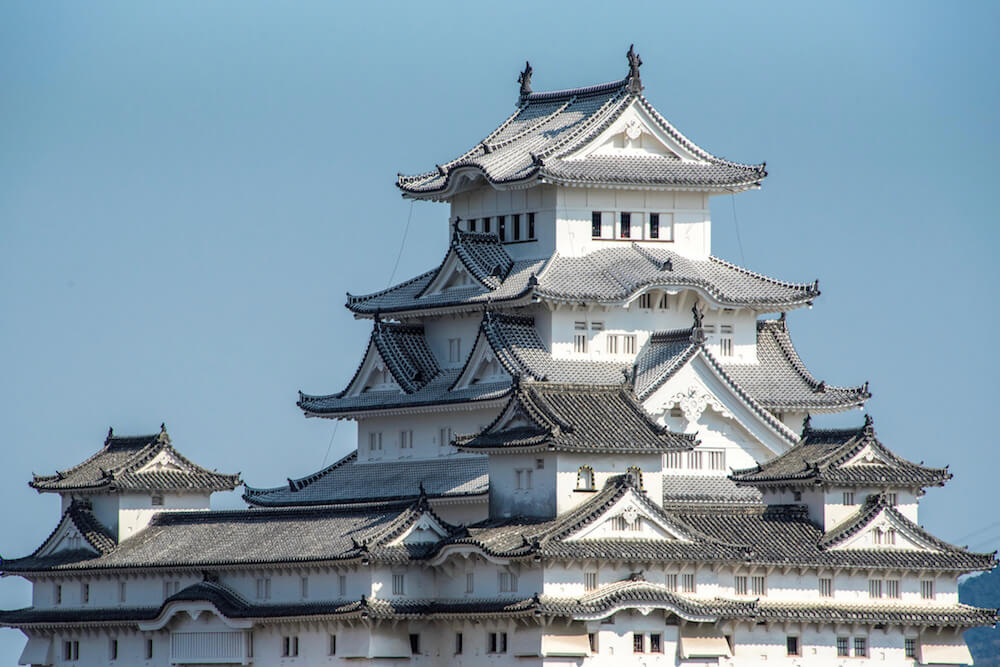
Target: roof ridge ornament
634, 63
524, 78
697, 330
869, 427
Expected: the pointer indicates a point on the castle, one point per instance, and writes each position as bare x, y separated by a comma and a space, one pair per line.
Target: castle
582, 439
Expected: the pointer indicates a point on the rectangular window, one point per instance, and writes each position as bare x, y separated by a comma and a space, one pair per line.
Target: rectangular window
620, 523
874, 588
156, 500
628, 344
113, 649
638, 642
892, 588
687, 583
694, 460
792, 646
592, 640
57, 594
458, 643
910, 647
289, 646
664, 302
122, 589
84, 593
848, 497
758, 585
674, 460
470, 582
825, 588
589, 581
891, 498
444, 436
333, 645
595, 224
580, 337
656, 643
741, 585
472, 224
523, 478
625, 225
304, 587
726, 346
406, 439
264, 588
454, 350
415, 644
654, 225
398, 584
71, 650
496, 642
342, 585
531, 226
149, 649
375, 442
890, 536
717, 460
860, 647
507, 582
502, 227
486, 225
671, 583
170, 587
927, 589
843, 647
515, 226
612, 344
539, 464
645, 300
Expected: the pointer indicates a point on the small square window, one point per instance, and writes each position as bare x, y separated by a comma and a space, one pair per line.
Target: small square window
843, 647
638, 643
910, 647
656, 643
156, 500
792, 646
860, 647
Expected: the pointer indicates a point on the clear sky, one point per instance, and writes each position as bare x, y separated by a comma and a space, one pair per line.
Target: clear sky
188, 189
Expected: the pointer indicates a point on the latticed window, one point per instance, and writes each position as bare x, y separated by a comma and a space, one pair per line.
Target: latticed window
890, 536
825, 587
874, 588
589, 581
687, 583
741, 584
507, 582
892, 588
758, 585
848, 497
694, 460
877, 536
927, 589
398, 584
638, 642
843, 647
717, 460
860, 647
671, 583
674, 459
910, 647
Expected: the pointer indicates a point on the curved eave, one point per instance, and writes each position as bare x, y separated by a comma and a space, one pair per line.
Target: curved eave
721, 188
254, 497
377, 410
718, 300
812, 479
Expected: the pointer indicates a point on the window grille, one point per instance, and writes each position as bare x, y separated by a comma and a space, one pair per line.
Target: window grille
671, 583
674, 459
646, 300
758, 585
694, 460
398, 584
874, 588
843, 647
927, 589
860, 647
910, 647
507, 582
825, 588
687, 583
717, 460
726, 347
664, 302
589, 581
470, 582
848, 497
638, 642
595, 224
655, 643
741, 585
892, 588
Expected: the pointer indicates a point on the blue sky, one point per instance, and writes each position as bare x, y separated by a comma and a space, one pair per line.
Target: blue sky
188, 189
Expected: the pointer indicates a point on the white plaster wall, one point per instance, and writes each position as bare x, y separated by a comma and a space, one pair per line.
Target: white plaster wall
136, 510
690, 211
507, 500
426, 433
438, 330
604, 466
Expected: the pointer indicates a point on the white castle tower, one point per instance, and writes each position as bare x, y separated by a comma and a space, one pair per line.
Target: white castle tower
582, 440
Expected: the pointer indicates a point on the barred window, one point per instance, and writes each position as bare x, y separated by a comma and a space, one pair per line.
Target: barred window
694, 460
289, 646
656, 643
910, 647
589, 581
507, 582
927, 589
638, 642
646, 300
892, 588
671, 583
470, 582
825, 588
874, 588
860, 647
848, 497
758, 585
741, 585
687, 583
674, 459
398, 584
717, 460
342, 585
843, 647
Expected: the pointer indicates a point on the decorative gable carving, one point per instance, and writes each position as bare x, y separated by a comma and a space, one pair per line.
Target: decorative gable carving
425, 529
635, 134
164, 461
868, 455
629, 518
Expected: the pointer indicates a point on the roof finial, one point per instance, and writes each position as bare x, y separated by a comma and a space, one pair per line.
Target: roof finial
698, 315
807, 424
524, 78
634, 63
869, 426
111, 434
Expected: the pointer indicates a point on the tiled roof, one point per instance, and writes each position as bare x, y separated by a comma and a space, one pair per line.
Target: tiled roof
952, 615
610, 276
483, 255
784, 535
821, 455
404, 350
575, 418
515, 342
252, 537
348, 481
780, 381
97, 537
118, 465
667, 352
714, 489
533, 145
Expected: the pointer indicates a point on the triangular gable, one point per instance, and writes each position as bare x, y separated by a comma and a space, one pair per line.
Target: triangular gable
636, 133
483, 366
879, 525
66, 537
425, 528
373, 375
869, 454
699, 385
630, 517
164, 461
453, 274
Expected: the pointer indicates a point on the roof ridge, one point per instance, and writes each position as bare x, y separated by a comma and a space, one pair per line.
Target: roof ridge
593, 89
774, 281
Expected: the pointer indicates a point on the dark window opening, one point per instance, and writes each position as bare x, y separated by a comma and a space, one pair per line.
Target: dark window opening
654, 225
626, 225
502, 227
531, 225
515, 223
486, 225
595, 224
414, 644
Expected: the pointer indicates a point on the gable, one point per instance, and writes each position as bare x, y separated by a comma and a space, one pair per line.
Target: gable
482, 367
164, 461
66, 537
707, 401
374, 375
635, 133
425, 529
452, 275
629, 517
867, 455
886, 531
